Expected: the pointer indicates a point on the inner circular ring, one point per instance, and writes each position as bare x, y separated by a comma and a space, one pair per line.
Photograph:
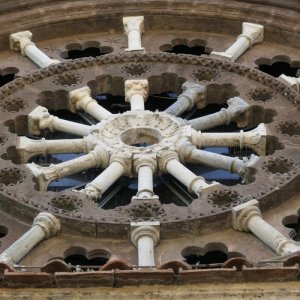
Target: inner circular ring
141, 137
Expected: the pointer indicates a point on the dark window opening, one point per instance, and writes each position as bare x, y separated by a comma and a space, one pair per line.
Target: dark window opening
295, 233
3, 231
160, 101
114, 104
87, 52
8, 75
207, 260
278, 68
94, 263
184, 49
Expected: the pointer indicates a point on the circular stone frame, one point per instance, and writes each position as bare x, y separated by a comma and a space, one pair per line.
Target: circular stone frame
268, 188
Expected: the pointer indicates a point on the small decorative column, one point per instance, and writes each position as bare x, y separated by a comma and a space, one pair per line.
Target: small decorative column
45, 225
192, 94
40, 119
247, 217
145, 167
252, 34
98, 157
292, 82
145, 236
195, 184
236, 107
134, 27
136, 92
117, 167
21, 41
190, 154
27, 148
81, 99
255, 139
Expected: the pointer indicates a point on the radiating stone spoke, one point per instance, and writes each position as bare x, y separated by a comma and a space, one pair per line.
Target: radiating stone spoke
252, 34
111, 174
27, 148
193, 94
236, 107
40, 119
96, 158
145, 166
81, 99
169, 163
255, 139
21, 41
191, 154
136, 93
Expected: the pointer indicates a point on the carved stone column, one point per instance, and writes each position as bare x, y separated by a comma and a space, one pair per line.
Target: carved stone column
119, 164
134, 27
96, 158
21, 42
255, 139
191, 154
236, 107
136, 93
145, 166
45, 225
27, 148
252, 34
292, 82
81, 99
247, 217
192, 94
145, 236
169, 162
40, 119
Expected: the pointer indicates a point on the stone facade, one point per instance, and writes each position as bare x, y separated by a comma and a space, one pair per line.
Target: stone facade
105, 131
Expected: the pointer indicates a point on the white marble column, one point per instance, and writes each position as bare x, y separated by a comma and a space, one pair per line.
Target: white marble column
169, 162
255, 139
145, 167
190, 154
236, 107
96, 158
45, 225
252, 34
27, 148
145, 236
117, 167
192, 94
21, 42
247, 217
40, 119
292, 82
81, 99
136, 93
134, 27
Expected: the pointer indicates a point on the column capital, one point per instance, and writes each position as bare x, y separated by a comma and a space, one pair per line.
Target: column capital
80, 98
253, 32
135, 86
19, 40
164, 158
38, 120
243, 212
125, 159
145, 160
255, 139
236, 107
133, 23
194, 93
49, 223
145, 229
